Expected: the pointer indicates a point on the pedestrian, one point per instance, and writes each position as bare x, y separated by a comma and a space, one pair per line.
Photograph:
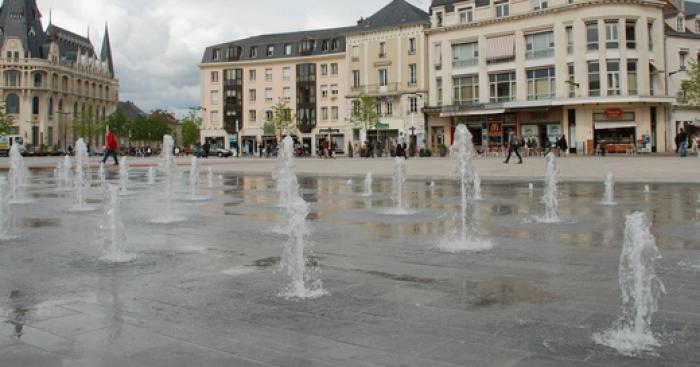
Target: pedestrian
207, 148
563, 146
111, 147
513, 147
683, 143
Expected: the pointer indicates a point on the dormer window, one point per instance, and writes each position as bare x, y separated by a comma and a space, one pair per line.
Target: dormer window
466, 15
438, 18
216, 53
253, 52
324, 46
288, 49
502, 8
335, 45
308, 45
32, 32
540, 4
697, 26
680, 24
270, 50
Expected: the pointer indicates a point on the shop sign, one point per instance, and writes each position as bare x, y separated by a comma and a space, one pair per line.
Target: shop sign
382, 125
495, 128
613, 113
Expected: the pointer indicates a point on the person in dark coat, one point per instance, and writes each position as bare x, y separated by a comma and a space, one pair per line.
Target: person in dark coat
206, 148
513, 147
562, 145
683, 143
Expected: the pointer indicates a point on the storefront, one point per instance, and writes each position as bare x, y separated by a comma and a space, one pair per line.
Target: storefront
249, 146
540, 128
383, 136
489, 132
332, 136
615, 130
215, 142
269, 145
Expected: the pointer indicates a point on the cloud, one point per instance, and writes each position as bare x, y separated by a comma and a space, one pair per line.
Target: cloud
157, 44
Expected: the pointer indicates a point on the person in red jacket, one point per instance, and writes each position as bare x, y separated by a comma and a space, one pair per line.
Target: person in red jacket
111, 148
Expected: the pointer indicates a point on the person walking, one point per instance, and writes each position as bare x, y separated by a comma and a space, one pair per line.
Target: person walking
111, 147
562, 145
513, 147
207, 148
683, 143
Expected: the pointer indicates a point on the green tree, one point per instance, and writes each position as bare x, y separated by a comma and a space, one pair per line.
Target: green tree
118, 123
191, 128
691, 87
88, 126
6, 121
282, 120
364, 114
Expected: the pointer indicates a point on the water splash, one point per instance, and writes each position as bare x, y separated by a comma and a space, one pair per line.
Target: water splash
112, 231
640, 290
124, 176
550, 199
477, 187
81, 181
18, 177
464, 237
397, 188
368, 185
194, 181
210, 178
609, 197
151, 176
303, 284
64, 174
349, 182
168, 168
102, 173
647, 189
7, 220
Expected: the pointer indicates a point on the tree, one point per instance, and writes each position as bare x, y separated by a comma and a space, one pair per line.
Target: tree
118, 123
364, 114
88, 126
6, 121
691, 87
149, 128
191, 127
282, 120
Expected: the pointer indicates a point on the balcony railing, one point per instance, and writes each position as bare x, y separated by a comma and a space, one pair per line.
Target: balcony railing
464, 63
539, 54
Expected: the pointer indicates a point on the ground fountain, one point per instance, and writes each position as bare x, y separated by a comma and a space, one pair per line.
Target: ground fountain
647, 189
81, 181
64, 173
550, 199
640, 290
210, 178
7, 223
124, 177
168, 168
151, 176
112, 232
102, 173
609, 197
477, 187
465, 235
303, 283
368, 185
397, 188
18, 177
194, 180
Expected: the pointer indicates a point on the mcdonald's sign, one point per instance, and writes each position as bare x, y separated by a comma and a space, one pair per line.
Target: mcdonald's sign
495, 128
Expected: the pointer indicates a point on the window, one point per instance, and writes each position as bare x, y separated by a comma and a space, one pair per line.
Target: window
572, 79
612, 36
466, 15
252, 115
286, 73
307, 46
13, 78
288, 49
412, 74
541, 84
37, 80
324, 113
35, 106
334, 113
253, 52
631, 34
268, 74
287, 93
465, 55
252, 95
592, 35
252, 75
324, 92
411, 46
214, 76
382, 49
214, 97
383, 77
502, 8
466, 89
379, 109
593, 78
570, 40
650, 31
269, 115
632, 77
540, 4
334, 90
335, 44
270, 50
614, 86
389, 107
683, 59
216, 54
438, 18
356, 108
413, 104
324, 69
540, 45
324, 46
334, 69
502, 87
355, 53
438, 85
356, 79
438, 56
680, 24
12, 103
268, 95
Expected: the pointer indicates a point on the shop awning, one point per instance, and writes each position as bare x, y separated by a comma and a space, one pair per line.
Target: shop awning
614, 125
501, 48
496, 111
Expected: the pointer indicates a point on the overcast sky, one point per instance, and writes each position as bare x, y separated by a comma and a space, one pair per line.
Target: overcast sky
157, 44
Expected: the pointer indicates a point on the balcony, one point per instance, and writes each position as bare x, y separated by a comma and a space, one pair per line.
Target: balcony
464, 63
539, 54
391, 89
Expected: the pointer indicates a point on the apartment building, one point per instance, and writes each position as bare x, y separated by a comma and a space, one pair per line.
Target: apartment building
593, 71
50, 76
682, 46
314, 73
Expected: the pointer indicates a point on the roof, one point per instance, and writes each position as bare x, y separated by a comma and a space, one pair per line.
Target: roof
130, 110
22, 19
106, 54
70, 43
450, 4
396, 13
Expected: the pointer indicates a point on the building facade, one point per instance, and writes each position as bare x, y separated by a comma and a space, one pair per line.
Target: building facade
313, 73
592, 71
50, 76
682, 47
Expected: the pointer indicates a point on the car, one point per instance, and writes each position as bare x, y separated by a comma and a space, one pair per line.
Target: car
222, 153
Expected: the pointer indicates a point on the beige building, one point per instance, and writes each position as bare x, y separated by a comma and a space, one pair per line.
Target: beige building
593, 71
49, 76
313, 72
682, 47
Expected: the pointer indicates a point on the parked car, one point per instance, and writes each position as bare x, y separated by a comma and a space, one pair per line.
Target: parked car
222, 153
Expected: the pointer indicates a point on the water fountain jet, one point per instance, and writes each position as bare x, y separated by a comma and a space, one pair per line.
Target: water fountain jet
112, 231
18, 177
397, 188
550, 199
609, 197
168, 167
81, 182
368, 185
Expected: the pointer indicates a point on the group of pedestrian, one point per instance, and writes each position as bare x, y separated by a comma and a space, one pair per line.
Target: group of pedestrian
514, 144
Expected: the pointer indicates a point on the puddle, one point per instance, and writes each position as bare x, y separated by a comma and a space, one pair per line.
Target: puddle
267, 262
507, 292
239, 270
404, 278
41, 222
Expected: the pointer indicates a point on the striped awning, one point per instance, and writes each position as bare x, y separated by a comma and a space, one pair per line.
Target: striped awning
500, 48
